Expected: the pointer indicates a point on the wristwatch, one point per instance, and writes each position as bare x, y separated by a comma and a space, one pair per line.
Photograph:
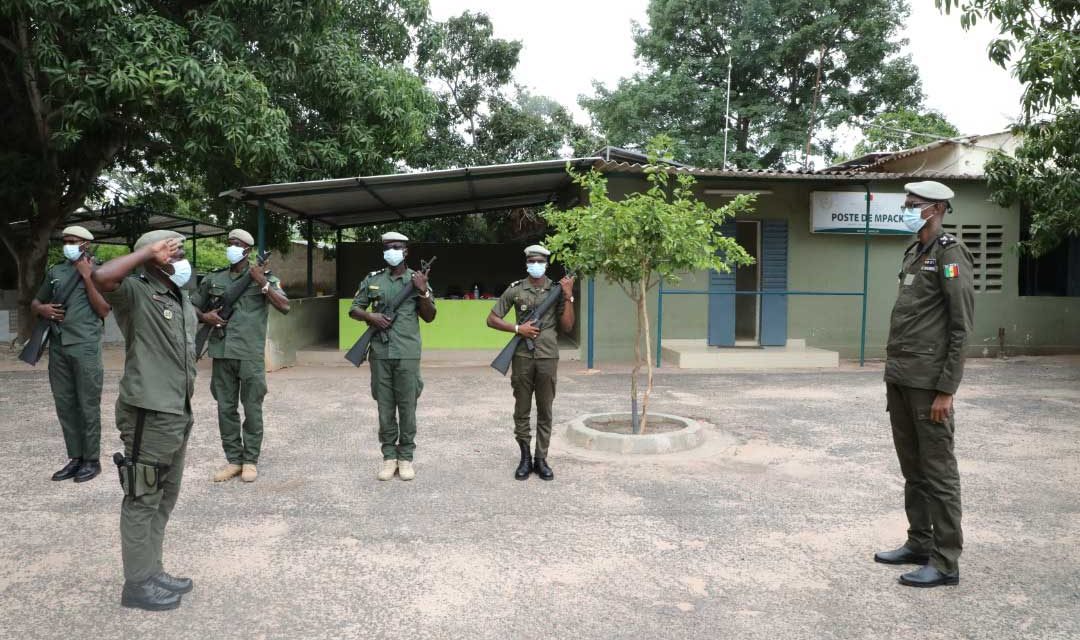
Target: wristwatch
427, 294
266, 287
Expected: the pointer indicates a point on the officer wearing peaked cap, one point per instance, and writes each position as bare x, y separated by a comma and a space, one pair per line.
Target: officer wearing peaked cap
75, 369
534, 372
238, 348
153, 410
930, 326
395, 363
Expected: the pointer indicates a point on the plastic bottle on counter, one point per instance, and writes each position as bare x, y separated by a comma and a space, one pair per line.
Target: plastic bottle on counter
476, 292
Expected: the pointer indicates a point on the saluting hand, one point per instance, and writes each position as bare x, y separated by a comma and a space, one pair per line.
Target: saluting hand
163, 251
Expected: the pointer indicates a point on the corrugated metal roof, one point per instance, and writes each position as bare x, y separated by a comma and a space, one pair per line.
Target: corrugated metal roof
349, 202
102, 224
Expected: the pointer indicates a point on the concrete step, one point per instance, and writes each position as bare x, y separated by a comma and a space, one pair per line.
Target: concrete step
696, 354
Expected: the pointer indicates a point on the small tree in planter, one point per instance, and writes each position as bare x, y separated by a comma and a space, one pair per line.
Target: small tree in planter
634, 242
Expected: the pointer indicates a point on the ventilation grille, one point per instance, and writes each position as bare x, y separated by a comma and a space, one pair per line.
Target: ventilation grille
986, 243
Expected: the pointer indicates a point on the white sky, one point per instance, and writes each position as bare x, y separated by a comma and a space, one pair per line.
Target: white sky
567, 44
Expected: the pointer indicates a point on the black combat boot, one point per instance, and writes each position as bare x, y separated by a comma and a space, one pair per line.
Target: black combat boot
88, 471
524, 467
540, 466
174, 584
149, 596
69, 470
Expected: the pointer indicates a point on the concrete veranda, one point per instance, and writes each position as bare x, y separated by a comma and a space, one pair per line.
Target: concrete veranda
765, 532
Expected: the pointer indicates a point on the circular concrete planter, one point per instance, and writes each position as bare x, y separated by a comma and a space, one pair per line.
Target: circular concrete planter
581, 434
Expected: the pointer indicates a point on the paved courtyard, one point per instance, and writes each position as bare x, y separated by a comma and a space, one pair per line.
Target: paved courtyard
767, 531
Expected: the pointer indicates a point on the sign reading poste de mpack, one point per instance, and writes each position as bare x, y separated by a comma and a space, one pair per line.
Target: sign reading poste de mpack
845, 212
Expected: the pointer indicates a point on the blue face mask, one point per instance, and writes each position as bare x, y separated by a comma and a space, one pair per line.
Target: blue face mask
393, 257
912, 218
536, 269
234, 254
72, 251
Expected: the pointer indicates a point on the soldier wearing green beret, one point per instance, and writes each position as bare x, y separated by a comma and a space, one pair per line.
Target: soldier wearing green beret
75, 369
395, 364
238, 347
534, 372
929, 329
153, 411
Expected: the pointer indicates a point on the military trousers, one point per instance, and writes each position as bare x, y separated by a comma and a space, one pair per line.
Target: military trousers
533, 377
931, 477
396, 384
236, 382
75, 375
143, 519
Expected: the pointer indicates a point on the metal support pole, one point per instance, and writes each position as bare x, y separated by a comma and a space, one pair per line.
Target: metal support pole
310, 253
591, 313
262, 227
865, 277
659, 322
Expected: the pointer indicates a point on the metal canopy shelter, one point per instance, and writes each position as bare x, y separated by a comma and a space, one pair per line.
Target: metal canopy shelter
359, 201
122, 225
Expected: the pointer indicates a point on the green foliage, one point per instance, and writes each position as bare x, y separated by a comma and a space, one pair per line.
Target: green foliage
886, 132
661, 232
775, 47
1041, 40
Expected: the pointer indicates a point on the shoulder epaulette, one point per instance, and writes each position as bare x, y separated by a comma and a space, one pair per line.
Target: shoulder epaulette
911, 246
515, 283
142, 276
218, 270
946, 240
376, 272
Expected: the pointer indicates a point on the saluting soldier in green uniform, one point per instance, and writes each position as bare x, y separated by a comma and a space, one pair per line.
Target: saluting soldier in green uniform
75, 370
534, 373
929, 328
395, 363
153, 411
238, 348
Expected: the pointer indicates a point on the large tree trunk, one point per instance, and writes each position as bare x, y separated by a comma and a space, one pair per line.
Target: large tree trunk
31, 254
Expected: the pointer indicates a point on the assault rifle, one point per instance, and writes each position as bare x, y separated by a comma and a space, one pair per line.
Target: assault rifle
359, 351
224, 304
501, 363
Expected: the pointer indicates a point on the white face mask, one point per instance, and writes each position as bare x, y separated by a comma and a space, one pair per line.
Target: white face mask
72, 251
393, 257
181, 272
536, 269
234, 254
912, 218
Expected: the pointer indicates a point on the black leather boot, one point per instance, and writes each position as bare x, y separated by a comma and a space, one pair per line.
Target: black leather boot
929, 576
540, 466
903, 555
88, 471
174, 584
524, 467
148, 595
69, 470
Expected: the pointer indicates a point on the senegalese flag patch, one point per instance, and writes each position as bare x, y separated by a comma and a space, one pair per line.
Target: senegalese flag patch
952, 271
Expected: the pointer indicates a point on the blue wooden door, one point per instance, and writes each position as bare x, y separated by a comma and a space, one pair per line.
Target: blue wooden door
774, 268
722, 308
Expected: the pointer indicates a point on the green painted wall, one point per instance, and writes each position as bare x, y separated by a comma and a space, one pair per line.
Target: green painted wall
459, 324
826, 262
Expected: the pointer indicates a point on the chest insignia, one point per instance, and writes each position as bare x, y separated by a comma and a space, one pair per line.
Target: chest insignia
952, 271
167, 313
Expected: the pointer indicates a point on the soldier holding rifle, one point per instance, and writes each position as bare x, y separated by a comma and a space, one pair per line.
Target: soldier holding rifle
395, 353
534, 370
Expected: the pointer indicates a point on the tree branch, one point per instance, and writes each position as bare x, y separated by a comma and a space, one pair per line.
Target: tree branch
9, 45
7, 236
37, 104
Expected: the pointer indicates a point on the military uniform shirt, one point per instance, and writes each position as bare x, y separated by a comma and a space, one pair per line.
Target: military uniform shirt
245, 334
380, 287
159, 335
81, 323
933, 316
523, 297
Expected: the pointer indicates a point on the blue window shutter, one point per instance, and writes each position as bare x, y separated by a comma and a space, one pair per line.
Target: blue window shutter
774, 268
722, 308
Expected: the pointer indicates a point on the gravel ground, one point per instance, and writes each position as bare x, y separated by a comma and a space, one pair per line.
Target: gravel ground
766, 531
